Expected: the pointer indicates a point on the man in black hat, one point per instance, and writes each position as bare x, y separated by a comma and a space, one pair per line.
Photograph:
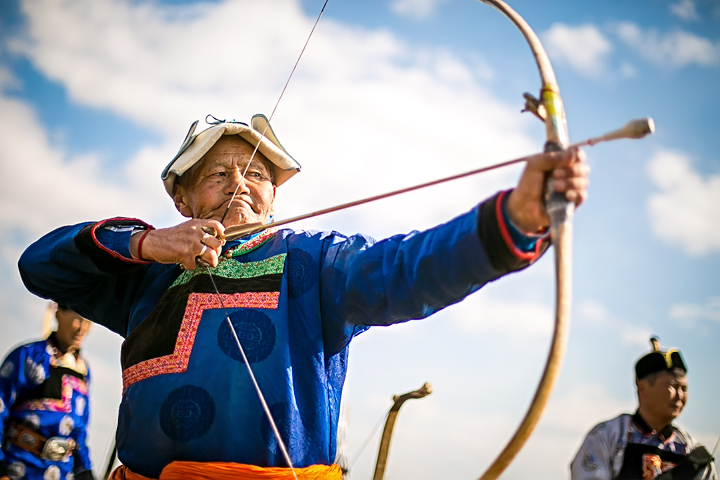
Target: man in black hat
646, 445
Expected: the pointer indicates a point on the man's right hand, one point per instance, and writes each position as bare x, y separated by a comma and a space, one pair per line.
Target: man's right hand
183, 244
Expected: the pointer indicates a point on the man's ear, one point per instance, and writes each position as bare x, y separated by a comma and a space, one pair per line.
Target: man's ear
181, 201
272, 207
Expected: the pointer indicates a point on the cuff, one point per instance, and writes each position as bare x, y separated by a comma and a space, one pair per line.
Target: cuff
107, 243
504, 254
524, 242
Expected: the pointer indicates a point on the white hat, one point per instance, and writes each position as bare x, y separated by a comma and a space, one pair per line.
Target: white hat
258, 132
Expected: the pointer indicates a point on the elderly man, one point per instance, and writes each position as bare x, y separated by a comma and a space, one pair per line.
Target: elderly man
44, 405
646, 445
295, 300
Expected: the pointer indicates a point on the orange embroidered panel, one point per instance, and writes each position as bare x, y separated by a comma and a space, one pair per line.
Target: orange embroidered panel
177, 361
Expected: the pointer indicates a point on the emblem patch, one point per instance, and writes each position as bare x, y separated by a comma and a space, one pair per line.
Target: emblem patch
187, 413
255, 331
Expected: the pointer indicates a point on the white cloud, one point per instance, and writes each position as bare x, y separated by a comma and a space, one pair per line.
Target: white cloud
584, 47
597, 315
417, 9
43, 187
685, 209
164, 68
674, 50
688, 312
685, 9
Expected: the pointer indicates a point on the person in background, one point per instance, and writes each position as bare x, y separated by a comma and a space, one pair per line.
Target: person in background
647, 445
44, 406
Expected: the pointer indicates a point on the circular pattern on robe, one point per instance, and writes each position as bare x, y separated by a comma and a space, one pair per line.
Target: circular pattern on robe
300, 267
187, 413
2, 405
32, 421
67, 424
34, 372
52, 473
7, 369
80, 406
16, 470
255, 331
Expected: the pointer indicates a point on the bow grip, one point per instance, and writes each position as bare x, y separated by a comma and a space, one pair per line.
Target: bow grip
557, 206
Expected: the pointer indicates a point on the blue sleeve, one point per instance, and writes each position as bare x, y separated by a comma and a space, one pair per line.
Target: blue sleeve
86, 267
412, 276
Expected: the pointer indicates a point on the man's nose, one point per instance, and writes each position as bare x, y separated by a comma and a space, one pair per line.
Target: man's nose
237, 182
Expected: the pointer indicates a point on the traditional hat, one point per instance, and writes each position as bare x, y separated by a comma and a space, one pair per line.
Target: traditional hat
659, 361
259, 134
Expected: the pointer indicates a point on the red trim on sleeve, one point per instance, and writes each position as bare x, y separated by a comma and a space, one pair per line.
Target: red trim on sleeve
506, 234
102, 247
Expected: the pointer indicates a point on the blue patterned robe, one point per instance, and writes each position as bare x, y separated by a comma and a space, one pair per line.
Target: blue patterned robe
294, 298
46, 391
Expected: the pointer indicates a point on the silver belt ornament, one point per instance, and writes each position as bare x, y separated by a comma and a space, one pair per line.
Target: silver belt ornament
58, 448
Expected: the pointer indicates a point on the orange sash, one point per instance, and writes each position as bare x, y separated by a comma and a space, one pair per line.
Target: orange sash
232, 471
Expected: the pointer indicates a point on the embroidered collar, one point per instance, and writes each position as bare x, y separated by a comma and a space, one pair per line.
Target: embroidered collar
248, 245
664, 434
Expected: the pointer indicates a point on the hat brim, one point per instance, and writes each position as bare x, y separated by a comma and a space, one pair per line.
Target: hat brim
259, 135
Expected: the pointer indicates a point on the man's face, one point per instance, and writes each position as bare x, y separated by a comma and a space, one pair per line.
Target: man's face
72, 329
665, 398
210, 184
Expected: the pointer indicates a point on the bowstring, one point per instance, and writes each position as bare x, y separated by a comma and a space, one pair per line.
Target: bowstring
272, 113
260, 395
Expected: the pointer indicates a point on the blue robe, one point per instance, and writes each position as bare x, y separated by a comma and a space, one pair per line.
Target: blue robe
295, 300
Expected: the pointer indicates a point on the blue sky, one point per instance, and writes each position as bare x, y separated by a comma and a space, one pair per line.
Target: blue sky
96, 96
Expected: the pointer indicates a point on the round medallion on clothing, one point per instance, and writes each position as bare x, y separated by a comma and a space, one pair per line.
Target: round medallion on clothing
255, 331
187, 413
7, 369
52, 473
299, 266
66, 425
34, 372
16, 470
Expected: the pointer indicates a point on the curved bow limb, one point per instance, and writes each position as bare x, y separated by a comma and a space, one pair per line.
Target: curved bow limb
384, 449
560, 212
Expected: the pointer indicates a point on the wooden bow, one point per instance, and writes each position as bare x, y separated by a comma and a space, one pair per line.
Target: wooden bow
550, 109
